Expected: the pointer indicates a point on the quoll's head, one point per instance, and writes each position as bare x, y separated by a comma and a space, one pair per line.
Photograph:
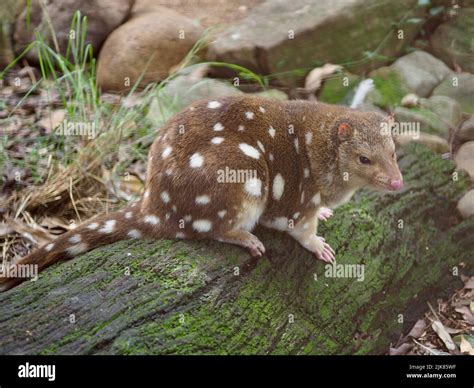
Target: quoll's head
367, 151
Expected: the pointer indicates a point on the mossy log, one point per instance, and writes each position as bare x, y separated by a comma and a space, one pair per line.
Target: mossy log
169, 297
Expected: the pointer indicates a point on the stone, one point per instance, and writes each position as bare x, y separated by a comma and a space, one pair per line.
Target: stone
103, 16
459, 86
280, 36
422, 119
466, 204
146, 48
182, 91
466, 131
420, 72
445, 108
433, 142
452, 41
464, 158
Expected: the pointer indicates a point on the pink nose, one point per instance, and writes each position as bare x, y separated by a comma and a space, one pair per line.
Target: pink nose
396, 184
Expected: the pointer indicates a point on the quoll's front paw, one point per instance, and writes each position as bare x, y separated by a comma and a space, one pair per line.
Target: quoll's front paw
324, 251
324, 213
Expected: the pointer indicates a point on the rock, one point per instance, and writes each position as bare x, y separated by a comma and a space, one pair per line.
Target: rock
464, 158
421, 120
452, 41
103, 16
182, 91
8, 12
466, 131
459, 86
433, 142
466, 204
446, 109
410, 100
389, 88
338, 88
274, 94
281, 36
150, 44
420, 72
369, 107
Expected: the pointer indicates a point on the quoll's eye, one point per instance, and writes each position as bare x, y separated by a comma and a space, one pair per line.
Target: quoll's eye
364, 160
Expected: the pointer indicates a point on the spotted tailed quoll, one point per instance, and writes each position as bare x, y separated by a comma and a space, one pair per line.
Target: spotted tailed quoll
296, 161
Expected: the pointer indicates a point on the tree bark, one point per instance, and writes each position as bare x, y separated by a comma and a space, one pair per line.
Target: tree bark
169, 297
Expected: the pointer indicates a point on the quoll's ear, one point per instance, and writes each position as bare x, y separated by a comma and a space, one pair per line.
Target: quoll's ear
344, 131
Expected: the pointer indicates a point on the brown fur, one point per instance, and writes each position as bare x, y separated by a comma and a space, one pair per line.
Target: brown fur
299, 172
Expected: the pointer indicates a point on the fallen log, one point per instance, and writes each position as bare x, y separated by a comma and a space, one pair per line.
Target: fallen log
169, 297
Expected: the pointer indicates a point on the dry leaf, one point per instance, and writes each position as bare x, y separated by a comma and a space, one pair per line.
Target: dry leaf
443, 335
317, 75
418, 329
469, 283
466, 347
466, 314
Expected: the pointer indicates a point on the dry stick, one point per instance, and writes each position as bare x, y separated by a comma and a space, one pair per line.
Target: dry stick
72, 200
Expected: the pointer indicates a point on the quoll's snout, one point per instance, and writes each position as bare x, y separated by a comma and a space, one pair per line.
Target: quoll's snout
396, 184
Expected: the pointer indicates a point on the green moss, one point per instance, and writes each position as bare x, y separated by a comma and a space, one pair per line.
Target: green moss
389, 87
336, 88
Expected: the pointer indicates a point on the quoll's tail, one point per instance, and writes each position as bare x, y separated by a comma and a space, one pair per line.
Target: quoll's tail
99, 231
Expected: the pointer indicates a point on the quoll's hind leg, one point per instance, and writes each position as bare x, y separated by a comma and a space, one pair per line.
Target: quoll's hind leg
244, 239
305, 233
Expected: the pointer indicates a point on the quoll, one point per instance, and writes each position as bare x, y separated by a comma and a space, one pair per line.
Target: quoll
301, 159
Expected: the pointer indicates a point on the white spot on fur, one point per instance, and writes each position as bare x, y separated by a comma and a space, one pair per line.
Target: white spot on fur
134, 234
108, 227
128, 215
280, 223
306, 225
174, 208
261, 109
166, 152
297, 145
296, 215
306, 173
93, 226
187, 218
169, 172
217, 140
180, 235
196, 160
77, 249
271, 131
270, 157
260, 145
278, 186
249, 150
151, 219
308, 137
241, 128
302, 197
249, 115
147, 194
165, 197
214, 104
316, 199
218, 127
222, 213
202, 226
253, 186
203, 199
49, 247
75, 239
168, 216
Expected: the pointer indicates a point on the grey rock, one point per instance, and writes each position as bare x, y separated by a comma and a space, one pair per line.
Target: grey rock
466, 204
445, 108
459, 86
464, 158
